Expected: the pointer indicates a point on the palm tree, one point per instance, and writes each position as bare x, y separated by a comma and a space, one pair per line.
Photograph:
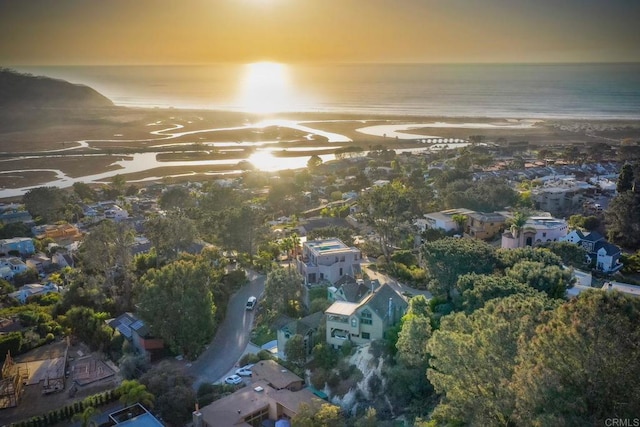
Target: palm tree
460, 220
131, 392
517, 223
85, 417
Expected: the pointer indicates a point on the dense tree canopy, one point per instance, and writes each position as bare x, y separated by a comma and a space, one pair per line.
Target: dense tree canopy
582, 366
550, 279
474, 357
177, 302
447, 259
623, 220
45, 203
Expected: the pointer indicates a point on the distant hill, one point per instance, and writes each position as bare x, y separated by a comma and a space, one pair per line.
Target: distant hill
30, 102
27, 91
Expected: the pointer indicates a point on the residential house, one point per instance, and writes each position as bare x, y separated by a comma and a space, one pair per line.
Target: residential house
10, 266
34, 289
59, 233
364, 321
537, 229
38, 262
484, 225
276, 376
138, 333
11, 216
116, 213
443, 220
307, 327
62, 259
605, 255
254, 406
328, 260
22, 245
350, 289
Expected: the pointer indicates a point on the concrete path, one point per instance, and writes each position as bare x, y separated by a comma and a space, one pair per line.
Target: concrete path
399, 287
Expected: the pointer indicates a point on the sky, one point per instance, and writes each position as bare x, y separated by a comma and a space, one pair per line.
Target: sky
124, 32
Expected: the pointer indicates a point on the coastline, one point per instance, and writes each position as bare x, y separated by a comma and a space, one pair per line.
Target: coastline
130, 142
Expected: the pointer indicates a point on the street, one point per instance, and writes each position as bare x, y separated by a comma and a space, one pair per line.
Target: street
232, 336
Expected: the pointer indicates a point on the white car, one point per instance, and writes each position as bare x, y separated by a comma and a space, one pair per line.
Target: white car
233, 380
245, 371
251, 302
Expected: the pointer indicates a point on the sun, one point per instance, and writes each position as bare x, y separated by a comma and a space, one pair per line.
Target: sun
265, 88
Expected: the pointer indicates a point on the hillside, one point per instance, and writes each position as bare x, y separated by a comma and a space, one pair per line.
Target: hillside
28, 101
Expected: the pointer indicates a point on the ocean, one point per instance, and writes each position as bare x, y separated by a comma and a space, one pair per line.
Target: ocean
582, 91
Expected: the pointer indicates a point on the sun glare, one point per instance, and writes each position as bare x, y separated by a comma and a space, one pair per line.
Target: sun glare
265, 88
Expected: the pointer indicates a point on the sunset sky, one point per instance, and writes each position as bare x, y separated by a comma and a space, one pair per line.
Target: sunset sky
44, 32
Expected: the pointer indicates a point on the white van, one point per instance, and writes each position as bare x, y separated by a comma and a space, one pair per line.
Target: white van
251, 302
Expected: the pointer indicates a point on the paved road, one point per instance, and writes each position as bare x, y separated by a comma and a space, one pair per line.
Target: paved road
232, 336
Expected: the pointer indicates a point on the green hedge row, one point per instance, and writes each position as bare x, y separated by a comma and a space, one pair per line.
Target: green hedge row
67, 412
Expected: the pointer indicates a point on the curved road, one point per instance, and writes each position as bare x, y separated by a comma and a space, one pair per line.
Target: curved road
232, 336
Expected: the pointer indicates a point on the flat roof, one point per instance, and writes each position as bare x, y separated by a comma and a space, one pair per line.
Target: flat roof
327, 245
343, 308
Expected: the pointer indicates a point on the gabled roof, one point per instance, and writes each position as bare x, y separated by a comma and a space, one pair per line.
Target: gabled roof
354, 292
304, 325
594, 236
379, 301
579, 233
609, 248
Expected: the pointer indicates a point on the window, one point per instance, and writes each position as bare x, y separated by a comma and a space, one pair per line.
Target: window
544, 234
366, 336
365, 318
354, 322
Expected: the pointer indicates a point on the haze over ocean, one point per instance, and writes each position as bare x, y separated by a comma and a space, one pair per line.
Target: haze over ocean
582, 91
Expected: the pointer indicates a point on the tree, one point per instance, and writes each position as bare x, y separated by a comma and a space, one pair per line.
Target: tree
314, 161
282, 291
118, 183
84, 192
509, 257
625, 179
473, 358
177, 303
477, 289
132, 392
244, 229
170, 234
295, 350
343, 233
85, 417
460, 221
551, 279
579, 368
176, 198
448, 258
318, 414
173, 391
416, 330
106, 251
369, 419
385, 209
623, 220
45, 203
571, 254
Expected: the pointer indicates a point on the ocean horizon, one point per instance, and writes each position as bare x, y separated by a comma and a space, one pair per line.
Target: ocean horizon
538, 91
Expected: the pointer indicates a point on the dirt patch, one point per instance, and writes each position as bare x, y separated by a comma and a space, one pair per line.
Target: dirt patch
85, 374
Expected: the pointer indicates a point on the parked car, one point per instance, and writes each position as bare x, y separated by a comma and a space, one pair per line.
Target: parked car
233, 380
245, 371
251, 302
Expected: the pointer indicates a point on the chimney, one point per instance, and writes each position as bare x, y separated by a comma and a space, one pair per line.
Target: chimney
196, 417
391, 311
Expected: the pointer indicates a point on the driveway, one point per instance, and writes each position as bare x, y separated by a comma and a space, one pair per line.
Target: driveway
232, 336
399, 287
